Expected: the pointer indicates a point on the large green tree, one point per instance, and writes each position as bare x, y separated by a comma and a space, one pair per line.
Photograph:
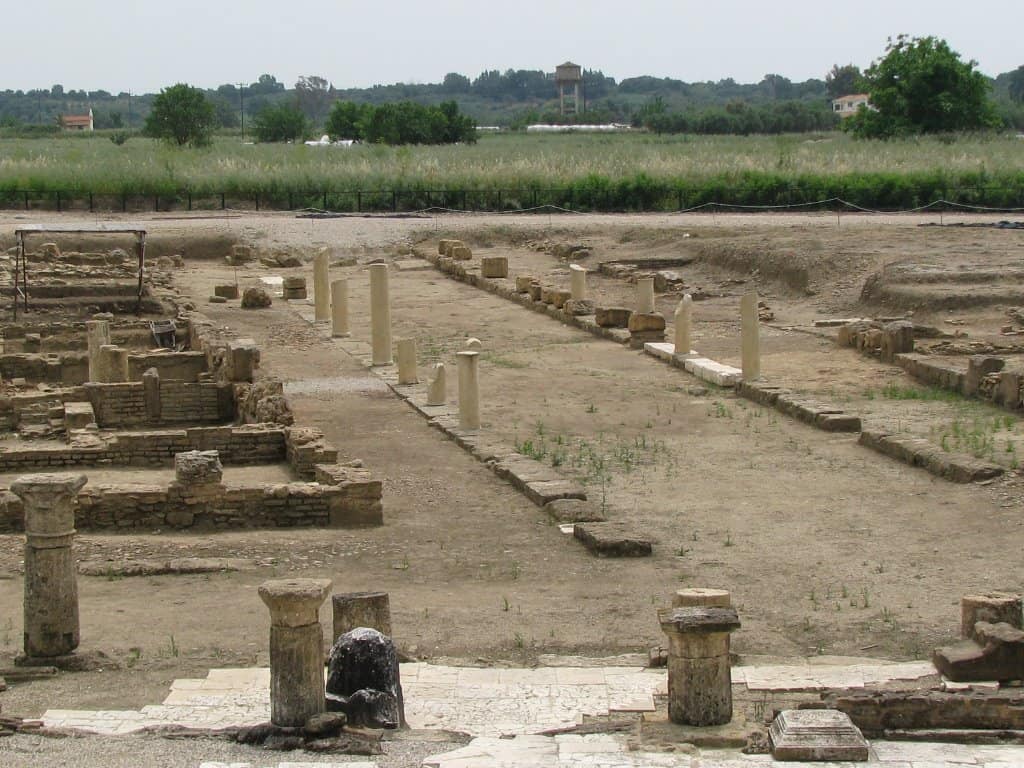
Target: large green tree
282, 122
182, 115
843, 80
1016, 88
922, 86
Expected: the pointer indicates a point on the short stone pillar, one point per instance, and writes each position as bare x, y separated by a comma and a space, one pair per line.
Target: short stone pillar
361, 609
51, 586
151, 394
683, 319
198, 468
113, 365
699, 675
494, 266
407, 361
380, 314
293, 287
645, 295
437, 386
993, 607
97, 334
296, 649
321, 286
244, 359
578, 282
339, 308
469, 389
750, 337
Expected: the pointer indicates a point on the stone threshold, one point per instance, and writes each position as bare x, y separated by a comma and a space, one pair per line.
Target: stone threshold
919, 452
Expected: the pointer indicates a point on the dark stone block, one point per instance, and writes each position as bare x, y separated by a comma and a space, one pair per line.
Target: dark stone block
612, 540
363, 680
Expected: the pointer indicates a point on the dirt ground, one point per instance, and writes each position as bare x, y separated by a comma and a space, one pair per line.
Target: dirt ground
827, 547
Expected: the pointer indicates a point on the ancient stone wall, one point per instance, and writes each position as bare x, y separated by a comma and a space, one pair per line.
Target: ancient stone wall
172, 402
237, 445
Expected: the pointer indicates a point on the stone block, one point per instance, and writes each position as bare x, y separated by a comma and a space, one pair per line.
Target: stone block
897, 338
256, 298
613, 539
991, 607
613, 317
294, 287
523, 283
978, 367
198, 468
574, 511
494, 266
559, 297
78, 415
226, 291
461, 253
995, 653
1008, 393
816, 735
535, 290
640, 323
579, 307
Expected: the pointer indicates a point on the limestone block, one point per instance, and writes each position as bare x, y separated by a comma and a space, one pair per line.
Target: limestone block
240, 254
751, 340
638, 323
523, 283
546, 294
645, 295
613, 539
244, 359
293, 287
229, 291
444, 245
696, 597
612, 317
321, 286
995, 653
897, 338
437, 386
992, 607
1008, 393
469, 389
535, 290
339, 308
380, 314
978, 367
578, 282
683, 319
198, 468
461, 253
574, 511
361, 609
560, 297
407, 362
494, 266
579, 307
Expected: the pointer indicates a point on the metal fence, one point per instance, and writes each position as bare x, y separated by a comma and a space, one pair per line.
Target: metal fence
612, 200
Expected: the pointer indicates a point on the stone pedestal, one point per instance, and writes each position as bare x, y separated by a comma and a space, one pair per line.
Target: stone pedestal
407, 361
244, 359
699, 676
296, 649
751, 337
112, 365
645, 295
51, 587
816, 735
993, 607
469, 390
578, 282
494, 266
683, 324
361, 609
97, 333
339, 308
293, 287
321, 287
380, 314
437, 386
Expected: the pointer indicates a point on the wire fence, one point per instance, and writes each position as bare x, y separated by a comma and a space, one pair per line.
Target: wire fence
993, 199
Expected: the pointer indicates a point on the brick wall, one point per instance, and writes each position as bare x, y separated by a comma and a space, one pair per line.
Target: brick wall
175, 402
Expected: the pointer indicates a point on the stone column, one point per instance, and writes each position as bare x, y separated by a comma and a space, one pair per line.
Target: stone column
339, 308
751, 338
380, 314
361, 609
645, 295
296, 649
578, 282
113, 365
97, 334
321, 286
51, 588
407, 361
684, 322
437, 386
699, 675
469, 390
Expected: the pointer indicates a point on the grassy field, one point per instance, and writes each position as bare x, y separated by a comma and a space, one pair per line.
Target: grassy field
588, 171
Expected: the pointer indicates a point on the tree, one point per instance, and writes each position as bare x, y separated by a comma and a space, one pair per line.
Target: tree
283, 122
922, 86
313, 94
345, 120
843, 81
181, 115
1017, 85
455, 83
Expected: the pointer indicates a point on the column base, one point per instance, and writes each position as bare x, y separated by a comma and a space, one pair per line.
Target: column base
87, 661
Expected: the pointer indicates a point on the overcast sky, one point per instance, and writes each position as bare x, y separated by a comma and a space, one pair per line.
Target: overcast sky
148, 44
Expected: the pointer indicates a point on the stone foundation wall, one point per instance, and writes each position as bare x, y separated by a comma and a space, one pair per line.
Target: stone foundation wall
256, 444
287, 505
172, 402
72, 368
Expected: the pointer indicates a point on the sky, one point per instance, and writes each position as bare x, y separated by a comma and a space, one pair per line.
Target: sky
145, 45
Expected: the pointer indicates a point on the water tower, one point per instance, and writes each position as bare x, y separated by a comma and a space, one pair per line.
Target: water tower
569, 76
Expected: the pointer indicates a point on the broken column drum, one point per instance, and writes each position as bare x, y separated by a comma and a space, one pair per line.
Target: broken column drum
645, 295
699, 675
380, 314
469, 390
407, 361
339, 308
321, 287
51, 588
751, 339
684, 321
361, 609
296, 649
97, 333
112, 365
578, 282
437, 386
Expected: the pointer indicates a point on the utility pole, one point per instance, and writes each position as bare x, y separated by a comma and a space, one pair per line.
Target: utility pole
241, 101
129, 111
